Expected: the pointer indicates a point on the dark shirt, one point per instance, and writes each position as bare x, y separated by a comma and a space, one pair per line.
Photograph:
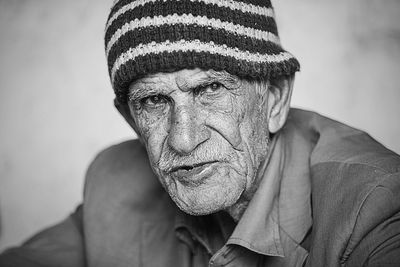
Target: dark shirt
330, 197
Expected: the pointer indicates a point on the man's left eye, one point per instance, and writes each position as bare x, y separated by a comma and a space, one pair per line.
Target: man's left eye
213, 87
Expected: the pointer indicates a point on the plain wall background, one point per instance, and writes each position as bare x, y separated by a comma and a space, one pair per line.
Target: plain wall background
56, 107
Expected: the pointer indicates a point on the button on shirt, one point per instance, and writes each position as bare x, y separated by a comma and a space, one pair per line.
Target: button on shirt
273, 227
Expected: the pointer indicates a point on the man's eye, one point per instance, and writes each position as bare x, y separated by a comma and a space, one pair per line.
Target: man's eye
154, 101
211, 88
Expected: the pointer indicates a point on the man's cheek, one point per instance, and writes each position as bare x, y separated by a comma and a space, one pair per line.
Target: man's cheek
146, 123
226, 121
226, 126
154, 136
142, 125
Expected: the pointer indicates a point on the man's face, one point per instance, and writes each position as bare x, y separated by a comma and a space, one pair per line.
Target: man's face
205, 133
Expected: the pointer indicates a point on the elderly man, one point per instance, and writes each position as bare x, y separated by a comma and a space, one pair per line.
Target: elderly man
224, 173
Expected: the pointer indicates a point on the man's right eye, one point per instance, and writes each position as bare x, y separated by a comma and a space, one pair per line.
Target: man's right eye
154, 101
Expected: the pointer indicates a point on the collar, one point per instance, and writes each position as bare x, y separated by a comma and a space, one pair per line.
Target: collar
258, 229
279, 215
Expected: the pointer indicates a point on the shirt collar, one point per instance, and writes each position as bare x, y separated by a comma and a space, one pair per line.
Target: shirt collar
279, 215
258, 229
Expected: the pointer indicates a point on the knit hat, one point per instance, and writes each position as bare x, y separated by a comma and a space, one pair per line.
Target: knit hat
149, 36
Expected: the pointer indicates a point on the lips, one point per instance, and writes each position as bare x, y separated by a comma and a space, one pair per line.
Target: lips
194, 173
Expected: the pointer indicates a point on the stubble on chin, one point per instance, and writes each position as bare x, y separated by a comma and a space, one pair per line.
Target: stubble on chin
216, 193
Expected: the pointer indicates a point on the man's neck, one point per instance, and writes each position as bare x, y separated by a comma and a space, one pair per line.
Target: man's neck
236, 211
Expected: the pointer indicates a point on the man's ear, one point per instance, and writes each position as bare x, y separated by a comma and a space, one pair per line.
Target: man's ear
280, 93
126, 113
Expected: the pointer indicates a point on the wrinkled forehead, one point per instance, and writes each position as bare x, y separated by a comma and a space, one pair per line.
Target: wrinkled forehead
184, 80
180, 77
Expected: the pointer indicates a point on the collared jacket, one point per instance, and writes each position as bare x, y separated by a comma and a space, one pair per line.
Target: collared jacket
350, 214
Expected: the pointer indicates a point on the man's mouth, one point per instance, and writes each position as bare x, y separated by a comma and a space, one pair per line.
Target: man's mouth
194, 172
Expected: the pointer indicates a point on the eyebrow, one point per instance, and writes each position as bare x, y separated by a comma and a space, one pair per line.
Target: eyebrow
228, 80
142, 92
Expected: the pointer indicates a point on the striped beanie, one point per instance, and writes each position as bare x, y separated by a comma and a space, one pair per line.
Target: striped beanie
150, 36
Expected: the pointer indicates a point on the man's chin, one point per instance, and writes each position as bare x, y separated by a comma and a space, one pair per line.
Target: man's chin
205, 200
199, 210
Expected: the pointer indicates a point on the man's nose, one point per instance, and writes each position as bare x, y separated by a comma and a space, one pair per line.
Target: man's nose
187, 131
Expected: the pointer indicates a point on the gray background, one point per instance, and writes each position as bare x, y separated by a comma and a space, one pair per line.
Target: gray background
56, 108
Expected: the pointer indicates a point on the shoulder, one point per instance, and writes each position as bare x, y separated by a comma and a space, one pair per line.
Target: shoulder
355, 183
122, 197
336, 144
119, 158
121, 174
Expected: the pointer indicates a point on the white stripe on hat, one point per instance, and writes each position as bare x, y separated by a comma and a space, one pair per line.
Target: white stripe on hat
190, 19
233, 5
196, 46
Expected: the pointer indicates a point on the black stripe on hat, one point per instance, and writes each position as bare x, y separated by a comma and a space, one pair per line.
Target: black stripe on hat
196, 9
122, 3
189, 32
